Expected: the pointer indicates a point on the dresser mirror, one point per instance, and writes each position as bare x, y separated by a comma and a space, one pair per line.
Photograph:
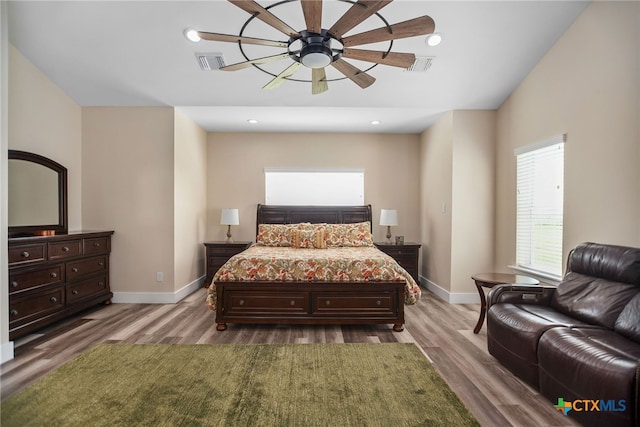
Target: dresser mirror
37, 194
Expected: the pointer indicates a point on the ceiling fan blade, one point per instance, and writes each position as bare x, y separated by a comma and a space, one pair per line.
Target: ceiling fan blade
234, 39
355, 15
279, 79
264, 15
247, 64
396, 59
359, 77
312, 10
413, 27
319, 83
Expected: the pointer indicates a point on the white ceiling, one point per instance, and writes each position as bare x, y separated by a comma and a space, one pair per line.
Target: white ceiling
134, 53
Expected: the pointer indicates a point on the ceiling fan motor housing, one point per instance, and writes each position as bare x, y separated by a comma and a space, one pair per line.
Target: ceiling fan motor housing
316, 50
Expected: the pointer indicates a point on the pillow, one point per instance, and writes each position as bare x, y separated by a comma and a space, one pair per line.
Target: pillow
348, 235
274, 235
313, 238
281, 235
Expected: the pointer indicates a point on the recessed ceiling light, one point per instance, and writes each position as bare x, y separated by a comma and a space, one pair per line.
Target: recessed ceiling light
252, 121
375, 122
433, 39
192, 35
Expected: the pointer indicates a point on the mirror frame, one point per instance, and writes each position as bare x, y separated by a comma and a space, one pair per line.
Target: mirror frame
62, 226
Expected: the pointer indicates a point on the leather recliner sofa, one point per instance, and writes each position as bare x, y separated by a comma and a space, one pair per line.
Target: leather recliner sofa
579, 341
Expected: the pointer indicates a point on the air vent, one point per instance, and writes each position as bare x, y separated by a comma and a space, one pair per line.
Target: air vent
210, 61
422, 63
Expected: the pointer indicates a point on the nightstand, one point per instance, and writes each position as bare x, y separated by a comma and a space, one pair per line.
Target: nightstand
218, 253
406, 255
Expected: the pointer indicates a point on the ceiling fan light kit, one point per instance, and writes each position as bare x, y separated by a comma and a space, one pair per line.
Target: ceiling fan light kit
317, 48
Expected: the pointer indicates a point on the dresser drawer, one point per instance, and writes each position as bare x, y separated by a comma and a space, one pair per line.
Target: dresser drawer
336, 304
31, 279
291, 303
68, 249
85, 267
98, 245
27, 253
87, 289
23, 310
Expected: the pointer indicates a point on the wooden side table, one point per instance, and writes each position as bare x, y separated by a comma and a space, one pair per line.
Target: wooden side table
406, 255
218, 253
489, 280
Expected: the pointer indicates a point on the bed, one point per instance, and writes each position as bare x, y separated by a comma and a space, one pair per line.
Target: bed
312, 265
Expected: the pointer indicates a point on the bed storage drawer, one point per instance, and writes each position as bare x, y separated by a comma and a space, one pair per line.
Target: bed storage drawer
288, 303
379, 304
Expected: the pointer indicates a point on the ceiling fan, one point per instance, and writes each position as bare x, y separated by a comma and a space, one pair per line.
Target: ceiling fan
317, 48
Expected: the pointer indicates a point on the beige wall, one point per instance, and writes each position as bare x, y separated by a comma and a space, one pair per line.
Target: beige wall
587, 85
236, 163
436, 191
46, 121
128, 186
472, 206
457, 193
190, 199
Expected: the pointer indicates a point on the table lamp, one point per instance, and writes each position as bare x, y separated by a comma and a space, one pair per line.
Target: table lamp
388, 217
229, 217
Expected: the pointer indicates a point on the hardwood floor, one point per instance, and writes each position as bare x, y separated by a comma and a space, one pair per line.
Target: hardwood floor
443, 331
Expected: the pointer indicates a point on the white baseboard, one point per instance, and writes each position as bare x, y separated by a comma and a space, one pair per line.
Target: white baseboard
158, 297
7, 351
451, 298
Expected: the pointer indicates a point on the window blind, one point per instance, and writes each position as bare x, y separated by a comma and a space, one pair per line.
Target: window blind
334, 187
539, 212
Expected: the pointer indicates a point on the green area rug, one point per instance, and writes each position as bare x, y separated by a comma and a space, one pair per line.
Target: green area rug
241, 385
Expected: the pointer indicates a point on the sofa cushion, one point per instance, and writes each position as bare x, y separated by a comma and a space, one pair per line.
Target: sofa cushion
628, 323
590, 364
513, 331
584, 297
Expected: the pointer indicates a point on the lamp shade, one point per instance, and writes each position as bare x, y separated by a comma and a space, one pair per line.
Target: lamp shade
388, 217
229, 217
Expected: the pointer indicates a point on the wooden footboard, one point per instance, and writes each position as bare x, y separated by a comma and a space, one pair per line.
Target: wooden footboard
313, 303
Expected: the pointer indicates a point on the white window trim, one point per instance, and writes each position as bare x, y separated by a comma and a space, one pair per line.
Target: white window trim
543, 277
557, 139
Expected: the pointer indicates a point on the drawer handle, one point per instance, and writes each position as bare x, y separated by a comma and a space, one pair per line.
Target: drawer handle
101, 284
75, 292
25, 254
14, 284
14, 312
65, 249
327, 302
101, 263
241, 302
292, 302
96, 244
378, 302
53, 299
54, 275
74, 269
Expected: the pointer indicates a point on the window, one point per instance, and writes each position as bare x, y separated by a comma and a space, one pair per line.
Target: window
314, 187
540, 195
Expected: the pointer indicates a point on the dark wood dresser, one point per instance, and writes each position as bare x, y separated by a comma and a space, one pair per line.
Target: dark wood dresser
406, 255
52, 277
218, 253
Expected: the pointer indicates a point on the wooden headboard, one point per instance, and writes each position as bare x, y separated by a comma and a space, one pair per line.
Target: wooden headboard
272, 214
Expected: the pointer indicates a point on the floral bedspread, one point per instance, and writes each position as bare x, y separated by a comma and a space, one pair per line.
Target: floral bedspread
342, 264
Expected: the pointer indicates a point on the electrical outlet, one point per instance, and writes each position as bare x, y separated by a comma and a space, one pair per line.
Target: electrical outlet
159, 276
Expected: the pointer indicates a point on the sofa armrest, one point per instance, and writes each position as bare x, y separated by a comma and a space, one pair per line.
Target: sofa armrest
520, 294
